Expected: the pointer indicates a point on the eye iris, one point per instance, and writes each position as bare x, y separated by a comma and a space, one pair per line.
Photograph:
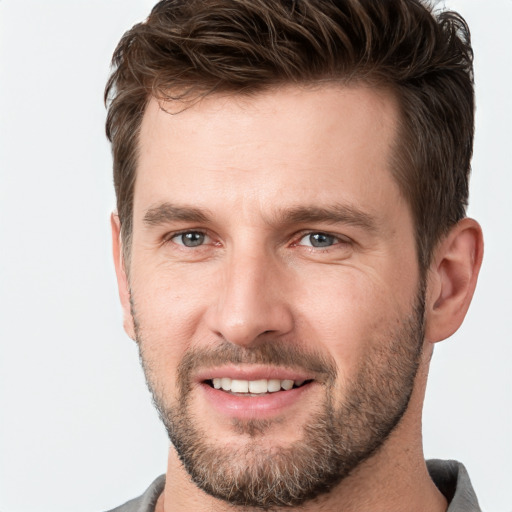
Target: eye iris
321, 240
192, 239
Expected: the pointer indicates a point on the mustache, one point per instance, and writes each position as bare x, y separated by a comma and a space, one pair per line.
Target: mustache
271, 353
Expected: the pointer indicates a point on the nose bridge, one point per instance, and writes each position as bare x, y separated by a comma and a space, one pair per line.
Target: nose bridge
251, 302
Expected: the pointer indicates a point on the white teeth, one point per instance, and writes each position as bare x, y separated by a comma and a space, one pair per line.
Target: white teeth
239, 386
255, 387
287, 384
274, 385
225, 384
258, 386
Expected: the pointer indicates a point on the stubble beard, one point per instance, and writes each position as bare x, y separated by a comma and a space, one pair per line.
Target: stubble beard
337, 438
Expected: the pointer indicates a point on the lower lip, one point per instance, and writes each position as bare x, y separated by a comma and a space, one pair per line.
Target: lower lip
254, 407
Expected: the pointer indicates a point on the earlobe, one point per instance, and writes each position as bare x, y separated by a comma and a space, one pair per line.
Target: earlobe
452, 279
122, 278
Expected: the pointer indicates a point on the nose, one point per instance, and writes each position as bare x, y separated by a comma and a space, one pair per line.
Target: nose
251, 300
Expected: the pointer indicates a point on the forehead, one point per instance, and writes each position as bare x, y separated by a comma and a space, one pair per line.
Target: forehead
289, 145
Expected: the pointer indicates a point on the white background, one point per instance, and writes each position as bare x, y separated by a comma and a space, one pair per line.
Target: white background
77, 429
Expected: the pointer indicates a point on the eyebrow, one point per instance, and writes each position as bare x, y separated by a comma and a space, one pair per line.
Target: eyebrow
166, 213
335, 214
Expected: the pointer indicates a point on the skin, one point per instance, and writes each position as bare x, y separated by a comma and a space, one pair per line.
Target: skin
246, 163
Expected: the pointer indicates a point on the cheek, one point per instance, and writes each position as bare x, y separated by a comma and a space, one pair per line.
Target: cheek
168, 300
168, 316
347, 315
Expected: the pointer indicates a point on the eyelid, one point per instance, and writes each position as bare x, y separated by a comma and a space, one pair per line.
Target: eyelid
170, 237
343, 239
339, 238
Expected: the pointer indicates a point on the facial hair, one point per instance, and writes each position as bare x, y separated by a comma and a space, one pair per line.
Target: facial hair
337, 438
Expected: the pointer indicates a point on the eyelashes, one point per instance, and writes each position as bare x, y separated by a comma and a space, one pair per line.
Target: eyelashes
190, 238
197, 239
320, 240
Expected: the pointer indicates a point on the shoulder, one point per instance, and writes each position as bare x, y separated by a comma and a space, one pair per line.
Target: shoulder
452, 479
147, 501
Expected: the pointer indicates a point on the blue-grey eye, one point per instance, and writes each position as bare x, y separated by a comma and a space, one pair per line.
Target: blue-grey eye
190, 239
318, 240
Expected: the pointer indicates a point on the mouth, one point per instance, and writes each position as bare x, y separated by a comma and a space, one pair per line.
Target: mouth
255, 388
255, 391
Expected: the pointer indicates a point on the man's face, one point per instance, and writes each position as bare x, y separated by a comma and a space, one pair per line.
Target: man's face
272, 250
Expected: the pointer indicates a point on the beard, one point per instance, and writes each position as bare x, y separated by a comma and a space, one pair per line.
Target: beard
337, 438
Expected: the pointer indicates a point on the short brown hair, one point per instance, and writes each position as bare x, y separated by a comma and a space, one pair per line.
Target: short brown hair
189, 48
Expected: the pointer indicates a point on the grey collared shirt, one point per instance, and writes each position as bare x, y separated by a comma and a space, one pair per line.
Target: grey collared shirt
453, 481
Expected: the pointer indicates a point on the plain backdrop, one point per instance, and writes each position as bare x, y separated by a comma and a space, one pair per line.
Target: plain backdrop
77, 429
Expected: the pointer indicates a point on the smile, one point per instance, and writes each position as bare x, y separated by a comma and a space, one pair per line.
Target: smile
254, 391
254, 387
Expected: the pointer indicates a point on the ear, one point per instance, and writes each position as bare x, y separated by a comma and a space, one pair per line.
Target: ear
452, 279
122, 278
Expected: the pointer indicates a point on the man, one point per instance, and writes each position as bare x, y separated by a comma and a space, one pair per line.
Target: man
290, 242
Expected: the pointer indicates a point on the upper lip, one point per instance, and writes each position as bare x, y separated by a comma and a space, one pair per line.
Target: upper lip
252, 372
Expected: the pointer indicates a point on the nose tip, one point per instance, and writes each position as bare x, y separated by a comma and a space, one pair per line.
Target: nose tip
252, 303
249, 329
